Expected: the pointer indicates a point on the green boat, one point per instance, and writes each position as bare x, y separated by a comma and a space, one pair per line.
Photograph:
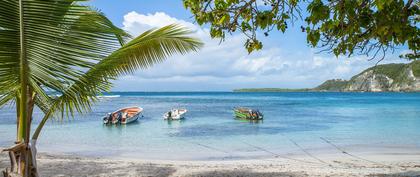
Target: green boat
247, 113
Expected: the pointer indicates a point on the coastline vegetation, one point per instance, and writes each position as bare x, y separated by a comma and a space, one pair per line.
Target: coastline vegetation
272, 90
393, 71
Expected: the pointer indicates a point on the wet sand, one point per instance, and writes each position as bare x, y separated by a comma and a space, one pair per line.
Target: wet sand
369, 164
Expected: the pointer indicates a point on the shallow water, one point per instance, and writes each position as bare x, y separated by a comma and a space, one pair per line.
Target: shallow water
210, 131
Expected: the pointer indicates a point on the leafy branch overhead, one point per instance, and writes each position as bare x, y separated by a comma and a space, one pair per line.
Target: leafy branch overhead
343, 27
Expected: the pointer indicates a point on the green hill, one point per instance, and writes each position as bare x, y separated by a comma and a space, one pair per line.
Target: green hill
332, 85
386, 77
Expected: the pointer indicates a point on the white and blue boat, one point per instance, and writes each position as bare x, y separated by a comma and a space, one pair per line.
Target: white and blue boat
175, 114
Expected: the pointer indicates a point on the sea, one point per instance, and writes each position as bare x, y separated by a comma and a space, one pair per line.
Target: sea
295, 123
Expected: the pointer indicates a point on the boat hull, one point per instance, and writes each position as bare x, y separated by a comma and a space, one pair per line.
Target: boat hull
123, 116
249, 114
175, 114
132, 119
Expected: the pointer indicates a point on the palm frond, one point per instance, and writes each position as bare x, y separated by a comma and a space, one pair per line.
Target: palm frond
75, 51
9, 50
63, 40
149, 48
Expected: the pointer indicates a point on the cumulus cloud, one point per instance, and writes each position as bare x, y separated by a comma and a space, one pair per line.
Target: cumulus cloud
137, 23
227, 65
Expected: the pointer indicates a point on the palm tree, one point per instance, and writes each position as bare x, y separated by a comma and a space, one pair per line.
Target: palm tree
65, 47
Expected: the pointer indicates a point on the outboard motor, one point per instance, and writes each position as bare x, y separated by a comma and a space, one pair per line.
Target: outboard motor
260, 115
108, 118
119, 118
105, 119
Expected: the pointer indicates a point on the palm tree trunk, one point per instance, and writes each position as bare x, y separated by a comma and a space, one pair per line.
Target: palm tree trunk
24, 124
17, 118
31, 148
23, 154
23, 103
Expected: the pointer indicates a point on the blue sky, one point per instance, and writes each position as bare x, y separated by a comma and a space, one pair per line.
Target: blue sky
286, 60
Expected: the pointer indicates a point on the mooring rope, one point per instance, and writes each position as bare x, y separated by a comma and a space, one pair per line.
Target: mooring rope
212, 148
209, 147
352, 155
307, 153
277, 155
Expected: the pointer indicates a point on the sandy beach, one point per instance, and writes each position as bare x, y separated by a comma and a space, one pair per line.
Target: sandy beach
373, 164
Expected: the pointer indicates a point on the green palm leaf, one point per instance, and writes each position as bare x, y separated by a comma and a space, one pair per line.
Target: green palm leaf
74, 51
69, 49
151, 47
62, 40
9, 50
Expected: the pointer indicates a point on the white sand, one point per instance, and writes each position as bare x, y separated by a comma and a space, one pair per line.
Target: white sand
379, 164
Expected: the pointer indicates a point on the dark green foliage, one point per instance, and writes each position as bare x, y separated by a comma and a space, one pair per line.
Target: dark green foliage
332, 85
415, 66
393, 71
343, 27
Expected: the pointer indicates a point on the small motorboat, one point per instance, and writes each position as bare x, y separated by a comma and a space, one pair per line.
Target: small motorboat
175, 114
248, 113
123, 115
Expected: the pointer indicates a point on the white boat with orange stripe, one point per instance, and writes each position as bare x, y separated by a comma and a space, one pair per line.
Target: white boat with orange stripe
123, 115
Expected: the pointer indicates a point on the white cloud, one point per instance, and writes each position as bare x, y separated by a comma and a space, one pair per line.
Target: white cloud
137, 23
226, 65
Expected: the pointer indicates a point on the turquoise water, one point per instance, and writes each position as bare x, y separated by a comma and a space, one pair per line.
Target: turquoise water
374, 120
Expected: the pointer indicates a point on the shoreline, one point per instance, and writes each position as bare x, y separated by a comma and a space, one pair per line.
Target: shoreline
371, 164
304, 90
253, 152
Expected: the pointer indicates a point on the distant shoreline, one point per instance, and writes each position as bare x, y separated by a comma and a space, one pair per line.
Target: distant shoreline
273, 90
249, 90
312, 90
381, 78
